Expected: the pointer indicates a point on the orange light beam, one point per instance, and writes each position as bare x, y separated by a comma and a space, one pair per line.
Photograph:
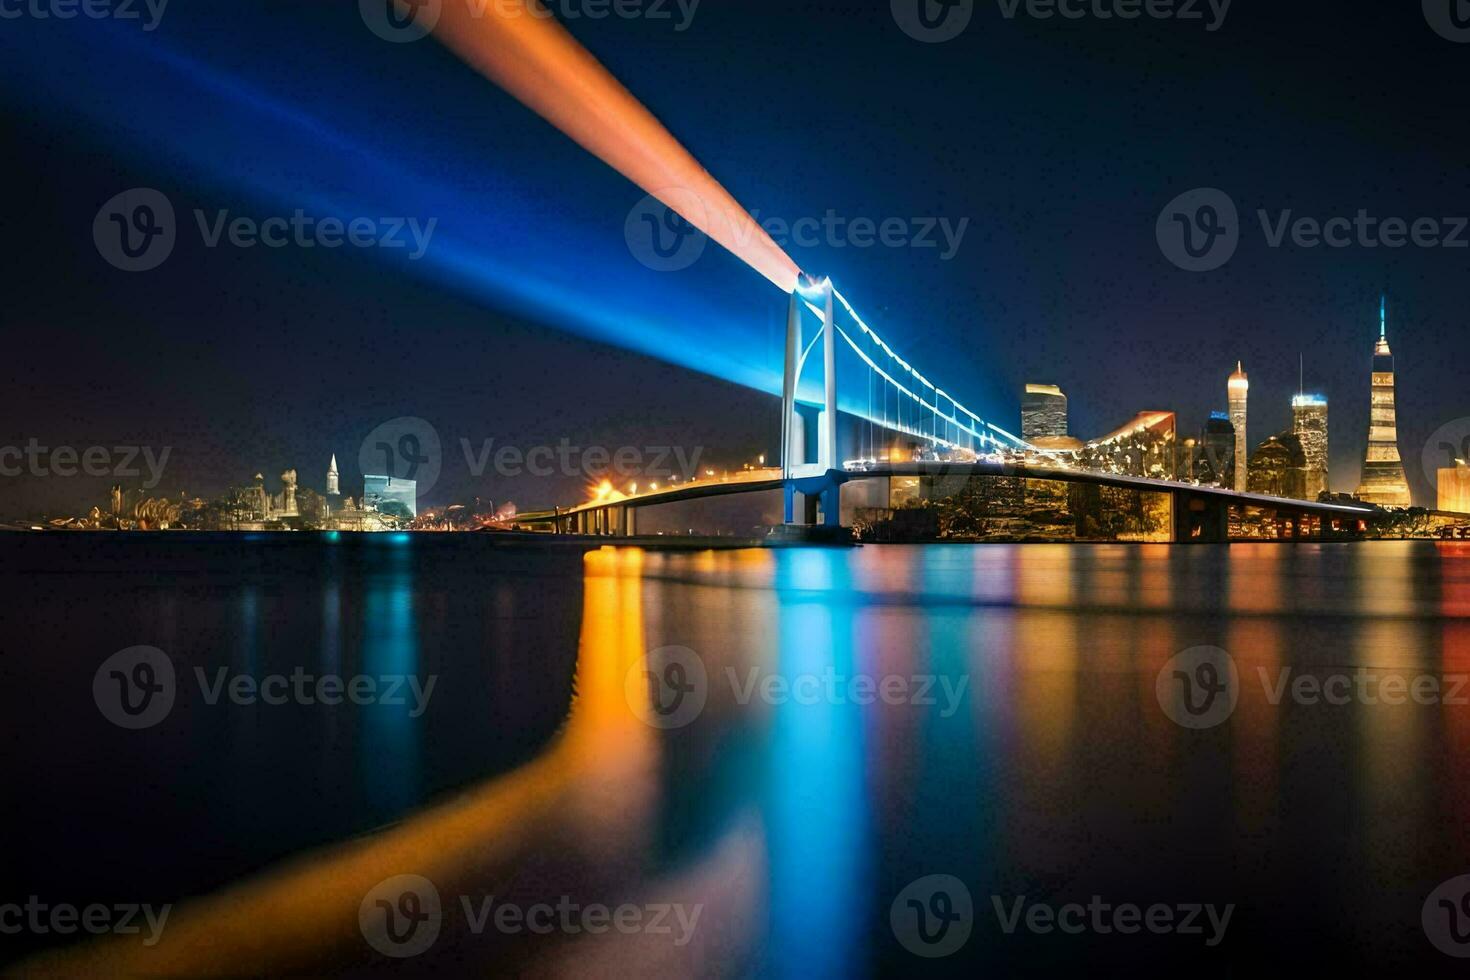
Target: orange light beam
524, 50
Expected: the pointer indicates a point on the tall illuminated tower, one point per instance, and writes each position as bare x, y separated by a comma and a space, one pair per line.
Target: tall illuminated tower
1309, 424
332, 487
1384, 482
1240, 387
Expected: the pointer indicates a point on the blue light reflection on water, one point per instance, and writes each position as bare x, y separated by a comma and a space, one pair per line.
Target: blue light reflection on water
390, 737
817, 808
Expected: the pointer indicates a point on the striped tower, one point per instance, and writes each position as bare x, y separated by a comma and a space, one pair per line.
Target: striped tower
1384, 482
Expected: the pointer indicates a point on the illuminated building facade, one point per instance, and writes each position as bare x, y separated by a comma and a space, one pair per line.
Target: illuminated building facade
1239, 388
1454, 488
1278, 468
1043, 413
1384, 482
386, 494
1146, 446
1309, 424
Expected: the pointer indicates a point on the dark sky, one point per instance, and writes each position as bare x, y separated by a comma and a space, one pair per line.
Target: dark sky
528, 320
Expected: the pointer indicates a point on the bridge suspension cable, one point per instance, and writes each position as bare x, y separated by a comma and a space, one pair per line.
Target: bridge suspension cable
924, 398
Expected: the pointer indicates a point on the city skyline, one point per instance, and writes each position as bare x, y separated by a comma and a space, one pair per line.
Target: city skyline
686, 490
999, 313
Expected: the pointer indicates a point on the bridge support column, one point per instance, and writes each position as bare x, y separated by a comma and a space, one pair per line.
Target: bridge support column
828, 437
832, 506
1201, 519
793, 445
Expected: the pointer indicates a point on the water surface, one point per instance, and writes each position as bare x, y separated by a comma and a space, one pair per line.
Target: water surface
869, 718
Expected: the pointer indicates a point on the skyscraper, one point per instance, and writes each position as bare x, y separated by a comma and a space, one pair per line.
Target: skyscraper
1239, 388
1217, 452
1279, 467
1384, 482
1309, 424
1043, 412
332, 483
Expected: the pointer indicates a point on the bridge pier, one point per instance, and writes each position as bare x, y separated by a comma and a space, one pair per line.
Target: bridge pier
1201, 519
816, 491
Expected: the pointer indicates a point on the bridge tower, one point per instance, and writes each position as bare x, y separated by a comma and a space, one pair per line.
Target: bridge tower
823, 478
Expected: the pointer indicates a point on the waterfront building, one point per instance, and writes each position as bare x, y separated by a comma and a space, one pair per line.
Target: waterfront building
1454, 488
1309, 424
1384, 481
334, 488
387, 494
1238, 388
1043, 413
1278, 468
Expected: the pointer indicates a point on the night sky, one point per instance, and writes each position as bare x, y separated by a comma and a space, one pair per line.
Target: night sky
529, 320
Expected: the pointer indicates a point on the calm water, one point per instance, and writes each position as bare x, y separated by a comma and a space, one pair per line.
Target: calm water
1016, 742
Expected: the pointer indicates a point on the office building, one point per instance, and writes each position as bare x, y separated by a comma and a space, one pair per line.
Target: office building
1043, 413
1309, 424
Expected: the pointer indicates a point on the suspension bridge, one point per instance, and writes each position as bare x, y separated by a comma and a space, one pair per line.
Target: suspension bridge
539, 63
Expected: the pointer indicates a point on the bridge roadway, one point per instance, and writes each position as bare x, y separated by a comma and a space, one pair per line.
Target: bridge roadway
1201, 512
